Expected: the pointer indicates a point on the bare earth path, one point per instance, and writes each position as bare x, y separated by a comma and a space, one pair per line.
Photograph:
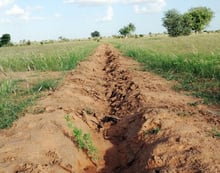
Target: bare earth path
137, 122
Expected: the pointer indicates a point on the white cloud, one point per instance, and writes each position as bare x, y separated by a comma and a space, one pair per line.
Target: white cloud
150, 7
23, 14
16, 11
4, 3
109, 15
140, 6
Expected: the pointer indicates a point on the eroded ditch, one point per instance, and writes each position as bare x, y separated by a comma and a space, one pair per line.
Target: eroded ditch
125, 117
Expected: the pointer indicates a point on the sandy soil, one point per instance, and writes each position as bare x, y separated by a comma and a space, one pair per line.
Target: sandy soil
137, 122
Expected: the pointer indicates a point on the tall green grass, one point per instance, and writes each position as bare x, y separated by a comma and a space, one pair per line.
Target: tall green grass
46, 84
15, 97
194, 61
49, 57
10, 105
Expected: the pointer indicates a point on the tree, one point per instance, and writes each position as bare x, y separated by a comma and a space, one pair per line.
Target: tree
127, 30
63, 39
124, 31
28, 43
131, 27
5, 39
95, 34
173, 22
201, 17
186, 23
196, 19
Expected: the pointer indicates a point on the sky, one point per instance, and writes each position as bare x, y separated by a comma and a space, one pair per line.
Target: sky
73, 19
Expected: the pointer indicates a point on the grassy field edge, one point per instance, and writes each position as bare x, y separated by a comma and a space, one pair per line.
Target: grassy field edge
197, 72
17, 94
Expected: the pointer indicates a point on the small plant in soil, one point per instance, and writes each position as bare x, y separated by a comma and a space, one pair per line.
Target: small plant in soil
152, 131
216, 133
88, 110
193, 104
48, 84
83, 140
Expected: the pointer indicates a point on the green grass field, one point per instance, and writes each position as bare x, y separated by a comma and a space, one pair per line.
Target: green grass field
194, 61
16, 93
48, 57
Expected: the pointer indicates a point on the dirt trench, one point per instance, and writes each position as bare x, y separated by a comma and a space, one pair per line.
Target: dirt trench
126, 108
137, 122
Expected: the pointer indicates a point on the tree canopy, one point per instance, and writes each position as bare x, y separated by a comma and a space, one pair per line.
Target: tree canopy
201, 17
5, 39
127, 30
172, 21
95, 34
196, 19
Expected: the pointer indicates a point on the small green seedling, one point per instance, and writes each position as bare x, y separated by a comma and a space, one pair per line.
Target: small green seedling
152, 131
216, 133
88, 110
83, 140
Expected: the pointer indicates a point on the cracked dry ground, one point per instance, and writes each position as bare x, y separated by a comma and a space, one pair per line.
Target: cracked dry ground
137, 122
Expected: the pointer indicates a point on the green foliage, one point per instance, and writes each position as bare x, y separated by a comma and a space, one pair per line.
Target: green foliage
62, 39
186, 22
192, 61
88, 110
28, 43
15, 96
196, 19
7, 87
153, 131
95, 34
131, 27
172, 21
216, 132
5, 39
194, 72
49, 57
127, 30
201, 17
47, 84
11, 109
83, 140
124, 31
13, 100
